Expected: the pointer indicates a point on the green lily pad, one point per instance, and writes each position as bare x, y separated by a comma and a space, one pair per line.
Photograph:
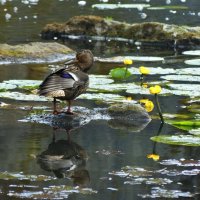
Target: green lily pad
183, 140
191, 123
104, 6
120, 73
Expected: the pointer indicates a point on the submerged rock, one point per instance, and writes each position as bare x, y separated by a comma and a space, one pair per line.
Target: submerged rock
103, 28
34, 52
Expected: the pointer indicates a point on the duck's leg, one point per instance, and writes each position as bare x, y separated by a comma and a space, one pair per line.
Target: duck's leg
55, 112
69, 107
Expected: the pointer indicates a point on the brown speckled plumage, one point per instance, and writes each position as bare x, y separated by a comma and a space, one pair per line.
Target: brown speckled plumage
70, 81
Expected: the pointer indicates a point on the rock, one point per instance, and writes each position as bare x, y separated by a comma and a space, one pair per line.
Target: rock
130, 117
35, 52
87, 26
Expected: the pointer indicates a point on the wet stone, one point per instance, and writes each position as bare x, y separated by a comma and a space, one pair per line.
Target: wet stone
129, 117
34, 52
100, 28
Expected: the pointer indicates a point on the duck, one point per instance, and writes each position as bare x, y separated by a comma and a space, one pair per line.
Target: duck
68, 82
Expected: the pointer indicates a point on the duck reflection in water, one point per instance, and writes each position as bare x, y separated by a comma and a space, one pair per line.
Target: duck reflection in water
66, 159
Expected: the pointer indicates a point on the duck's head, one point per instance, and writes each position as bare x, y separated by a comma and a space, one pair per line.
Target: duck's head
85, 59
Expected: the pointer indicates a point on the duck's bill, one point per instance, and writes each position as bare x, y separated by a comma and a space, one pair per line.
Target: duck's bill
70, 61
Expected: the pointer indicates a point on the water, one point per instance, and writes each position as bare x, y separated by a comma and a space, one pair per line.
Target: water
108, 149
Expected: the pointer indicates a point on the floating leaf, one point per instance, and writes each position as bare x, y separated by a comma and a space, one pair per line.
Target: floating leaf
182, 78
120, 59
188, 71
193, 62
183, 87
22, 97
181, 162
168, 7
195, 131
192, 52
149, 181
185, 140
120, 73
103, 6
158, 192
192, 123
6, 86
24, 83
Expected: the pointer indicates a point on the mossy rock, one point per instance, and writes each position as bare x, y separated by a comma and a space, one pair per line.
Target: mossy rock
128, 111
130, 117
88, 26
35, 52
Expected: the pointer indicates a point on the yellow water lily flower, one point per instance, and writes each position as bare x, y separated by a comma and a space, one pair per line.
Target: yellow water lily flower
144, 85
144, 70
128, 61
148, 105
155, 90
129, 98
155, 157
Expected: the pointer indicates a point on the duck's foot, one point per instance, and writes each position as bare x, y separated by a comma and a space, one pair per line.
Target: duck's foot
55, 112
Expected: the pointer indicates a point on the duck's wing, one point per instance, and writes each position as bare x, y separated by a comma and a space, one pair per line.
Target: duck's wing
59, 81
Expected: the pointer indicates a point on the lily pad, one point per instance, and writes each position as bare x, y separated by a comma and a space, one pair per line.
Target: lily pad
25, 84
149, 181
120, 73
181, 162
168, 7
195, 131
22, 97
190, 78
184, 87
192, 52
6, 86
104, 6
120, 59
188, 71
154, 70
21, 176
191, 123
183, 140
51, 192
193, 62
158, 192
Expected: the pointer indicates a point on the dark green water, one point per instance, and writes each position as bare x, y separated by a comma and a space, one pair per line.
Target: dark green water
108, 149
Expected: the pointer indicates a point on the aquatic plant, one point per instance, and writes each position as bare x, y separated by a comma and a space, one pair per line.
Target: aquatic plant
156, 90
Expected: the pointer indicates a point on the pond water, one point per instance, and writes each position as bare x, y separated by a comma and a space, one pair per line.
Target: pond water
110, 161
